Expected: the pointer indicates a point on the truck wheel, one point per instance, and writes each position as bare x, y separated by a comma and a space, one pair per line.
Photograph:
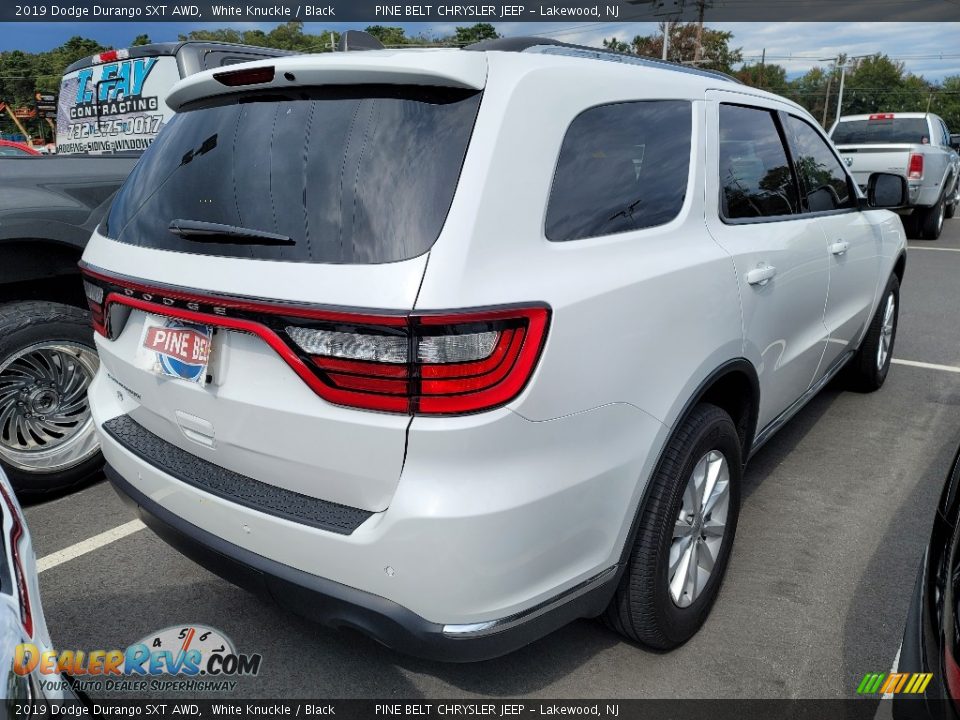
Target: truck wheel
951, 208
47, 360
868, 369
931, 223
683, 541
911, 224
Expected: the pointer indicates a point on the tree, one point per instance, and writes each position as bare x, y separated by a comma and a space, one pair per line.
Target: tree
946, 102
767, 77
475, 33
140, 40
879, 84
716, 53
616, 45
388, 35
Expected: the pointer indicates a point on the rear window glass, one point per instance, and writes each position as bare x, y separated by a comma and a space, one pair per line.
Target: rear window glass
880, 131
330, 175
622, 167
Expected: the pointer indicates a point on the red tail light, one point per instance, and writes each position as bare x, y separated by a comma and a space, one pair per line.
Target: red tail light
251, 76
419, 363
915, 168
17, 532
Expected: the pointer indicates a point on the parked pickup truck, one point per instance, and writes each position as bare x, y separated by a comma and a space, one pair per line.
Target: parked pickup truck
915, 145
110, 108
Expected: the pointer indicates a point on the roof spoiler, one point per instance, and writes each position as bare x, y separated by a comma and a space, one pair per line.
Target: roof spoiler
458, 70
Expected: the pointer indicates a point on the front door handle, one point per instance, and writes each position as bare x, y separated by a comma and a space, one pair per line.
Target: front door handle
840, 247
761, 275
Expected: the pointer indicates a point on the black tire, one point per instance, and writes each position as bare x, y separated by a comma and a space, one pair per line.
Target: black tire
24, 325
643, 608
931, 222
911, 224
951, 209
866, 373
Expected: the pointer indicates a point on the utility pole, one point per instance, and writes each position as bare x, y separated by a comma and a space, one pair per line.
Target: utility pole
826, 100
667, 25
843, 74
698, 50
333, 45
763, 62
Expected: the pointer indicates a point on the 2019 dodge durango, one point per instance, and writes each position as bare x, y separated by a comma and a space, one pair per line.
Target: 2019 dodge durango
456, 346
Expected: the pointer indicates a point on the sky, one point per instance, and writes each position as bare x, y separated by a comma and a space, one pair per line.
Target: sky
928, 49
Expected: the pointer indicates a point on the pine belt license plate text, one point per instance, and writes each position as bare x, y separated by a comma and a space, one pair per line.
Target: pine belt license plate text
178, 349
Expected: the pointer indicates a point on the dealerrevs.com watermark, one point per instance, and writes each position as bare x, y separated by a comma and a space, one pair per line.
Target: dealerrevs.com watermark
187, 658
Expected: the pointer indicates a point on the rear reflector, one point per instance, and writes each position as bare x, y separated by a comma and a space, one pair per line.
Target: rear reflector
421, 363
251, 76
915, 167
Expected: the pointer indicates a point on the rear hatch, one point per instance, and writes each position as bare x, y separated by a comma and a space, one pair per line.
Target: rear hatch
880, 143
267, 228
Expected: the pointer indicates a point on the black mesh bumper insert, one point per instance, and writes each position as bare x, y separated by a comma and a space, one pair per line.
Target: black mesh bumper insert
230, 485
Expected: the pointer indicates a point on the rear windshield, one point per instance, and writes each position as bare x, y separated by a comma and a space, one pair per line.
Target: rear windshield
328, 175
881, 131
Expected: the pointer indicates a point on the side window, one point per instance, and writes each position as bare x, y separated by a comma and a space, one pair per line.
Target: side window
621, 167
822, 177
755, 175
945, 134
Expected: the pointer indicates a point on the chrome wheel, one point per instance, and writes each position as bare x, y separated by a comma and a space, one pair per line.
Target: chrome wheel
45, 423
699, 529
886, 331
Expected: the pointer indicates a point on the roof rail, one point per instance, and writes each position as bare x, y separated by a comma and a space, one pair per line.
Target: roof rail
556, 47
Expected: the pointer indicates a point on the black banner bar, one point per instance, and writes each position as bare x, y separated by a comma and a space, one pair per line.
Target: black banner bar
422, 709
470, 11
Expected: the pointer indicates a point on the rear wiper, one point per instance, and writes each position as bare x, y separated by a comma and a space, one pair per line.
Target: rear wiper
207, 232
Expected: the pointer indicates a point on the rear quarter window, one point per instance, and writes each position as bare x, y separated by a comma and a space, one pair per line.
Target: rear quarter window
621, 167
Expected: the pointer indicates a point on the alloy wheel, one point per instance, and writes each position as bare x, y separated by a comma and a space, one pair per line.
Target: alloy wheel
45, 421
699, 529
886, 331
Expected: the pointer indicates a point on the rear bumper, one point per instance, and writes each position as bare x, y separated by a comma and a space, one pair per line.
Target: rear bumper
338, 605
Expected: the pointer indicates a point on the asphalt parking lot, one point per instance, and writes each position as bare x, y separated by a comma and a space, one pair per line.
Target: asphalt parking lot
836, 512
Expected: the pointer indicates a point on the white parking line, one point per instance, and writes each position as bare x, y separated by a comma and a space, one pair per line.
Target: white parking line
896, 664
925, 247
89, 545
927, 366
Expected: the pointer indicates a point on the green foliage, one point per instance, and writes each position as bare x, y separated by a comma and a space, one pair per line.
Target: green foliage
475, 33
715, 50
140, 40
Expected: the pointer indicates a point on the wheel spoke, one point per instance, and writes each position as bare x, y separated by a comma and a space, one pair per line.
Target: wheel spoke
693, 572
682, 529
678, 575
705, 557
718, 499
714, 528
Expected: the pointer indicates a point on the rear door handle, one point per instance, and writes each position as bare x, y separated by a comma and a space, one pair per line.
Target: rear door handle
839, 247
761, 274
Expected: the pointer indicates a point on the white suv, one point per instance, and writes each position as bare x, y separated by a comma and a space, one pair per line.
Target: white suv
456, 346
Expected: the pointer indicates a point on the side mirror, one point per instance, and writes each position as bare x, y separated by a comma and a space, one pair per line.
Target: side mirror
955, 141
886, 190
